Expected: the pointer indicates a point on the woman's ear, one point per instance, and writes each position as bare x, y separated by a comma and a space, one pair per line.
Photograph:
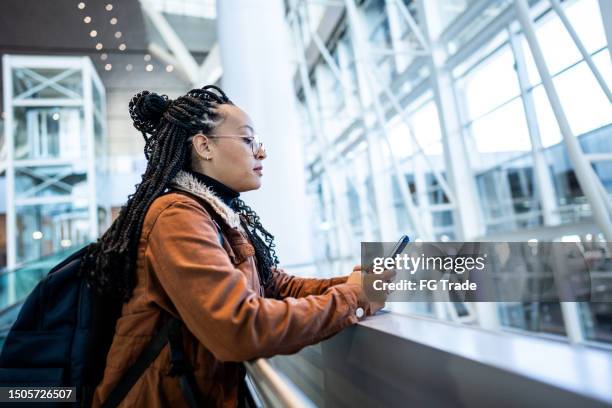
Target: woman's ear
201, 146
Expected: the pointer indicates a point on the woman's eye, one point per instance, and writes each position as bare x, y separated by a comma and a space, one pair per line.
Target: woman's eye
248, 141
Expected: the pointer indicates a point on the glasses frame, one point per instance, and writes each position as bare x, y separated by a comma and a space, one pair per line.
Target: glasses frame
256, 143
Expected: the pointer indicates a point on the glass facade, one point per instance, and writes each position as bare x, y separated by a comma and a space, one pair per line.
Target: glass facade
486, 92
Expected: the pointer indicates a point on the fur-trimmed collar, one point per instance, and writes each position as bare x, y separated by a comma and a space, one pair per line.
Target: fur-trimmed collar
188, 183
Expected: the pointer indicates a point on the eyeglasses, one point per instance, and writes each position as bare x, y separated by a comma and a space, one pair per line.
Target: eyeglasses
254, 141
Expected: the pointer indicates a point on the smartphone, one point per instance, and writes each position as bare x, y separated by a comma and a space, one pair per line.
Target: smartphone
399, 246
397, 249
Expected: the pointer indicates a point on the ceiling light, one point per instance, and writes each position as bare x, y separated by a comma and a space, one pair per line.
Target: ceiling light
118, 34
99, 46
103, 56
128, 67
113, 20
109, 7
93, 33
169, 68
81, 6
149, 67
37, 235
56, 116
87, 20
122, 47
147, 57
108, 67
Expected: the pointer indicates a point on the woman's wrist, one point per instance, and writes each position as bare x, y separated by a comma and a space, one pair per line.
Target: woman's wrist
358, 302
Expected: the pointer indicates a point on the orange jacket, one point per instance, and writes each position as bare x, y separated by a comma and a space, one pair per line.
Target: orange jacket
184, 270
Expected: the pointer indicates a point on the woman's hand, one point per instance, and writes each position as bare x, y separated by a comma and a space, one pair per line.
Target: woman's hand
356, 277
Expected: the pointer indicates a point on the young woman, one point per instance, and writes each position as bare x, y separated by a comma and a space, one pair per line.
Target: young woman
185, 245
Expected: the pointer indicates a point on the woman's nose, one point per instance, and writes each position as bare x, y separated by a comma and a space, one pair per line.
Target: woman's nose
261, 154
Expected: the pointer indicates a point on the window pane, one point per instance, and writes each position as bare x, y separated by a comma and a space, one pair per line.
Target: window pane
585, 17
503, 130
491, 84
585, 104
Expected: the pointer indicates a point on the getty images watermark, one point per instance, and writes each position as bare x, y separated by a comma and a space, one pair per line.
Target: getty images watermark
489, 271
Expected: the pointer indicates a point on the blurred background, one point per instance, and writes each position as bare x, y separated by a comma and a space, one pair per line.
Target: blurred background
447, 120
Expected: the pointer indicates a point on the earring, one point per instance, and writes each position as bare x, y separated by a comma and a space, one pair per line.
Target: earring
208, 158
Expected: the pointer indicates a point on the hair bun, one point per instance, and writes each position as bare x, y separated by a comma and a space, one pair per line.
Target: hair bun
146, 110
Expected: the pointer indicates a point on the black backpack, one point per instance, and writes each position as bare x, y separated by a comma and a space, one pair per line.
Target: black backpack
62, 336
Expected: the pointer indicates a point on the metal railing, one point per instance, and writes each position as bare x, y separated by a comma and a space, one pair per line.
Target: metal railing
273, 389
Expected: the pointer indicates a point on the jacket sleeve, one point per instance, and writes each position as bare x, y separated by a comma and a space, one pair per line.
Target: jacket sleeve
212, 297
283, 285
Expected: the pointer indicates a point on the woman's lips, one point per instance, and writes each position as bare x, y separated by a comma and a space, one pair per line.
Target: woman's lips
258, 170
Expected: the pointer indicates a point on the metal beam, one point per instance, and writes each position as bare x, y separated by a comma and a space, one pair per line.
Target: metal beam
172, 40
467, 214
587, 178
605, 6
363, 61
414, 27
45, 82
541, 172
580, 45
47, 181
167, 58
211, 70
406, 119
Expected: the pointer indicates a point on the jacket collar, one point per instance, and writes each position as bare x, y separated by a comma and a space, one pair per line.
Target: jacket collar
188, 183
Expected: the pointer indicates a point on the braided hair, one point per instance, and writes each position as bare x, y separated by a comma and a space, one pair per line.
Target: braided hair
109, 263
264, 250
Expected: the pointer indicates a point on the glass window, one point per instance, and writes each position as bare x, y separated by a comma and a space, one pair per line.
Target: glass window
490, 84
503, 130
399, 139
584, 103
585, 17
45, 133
426, 125
539, 317
557, 45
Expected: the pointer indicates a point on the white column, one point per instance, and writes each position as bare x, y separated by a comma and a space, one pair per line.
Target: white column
11, 210
420, 182
542, 176
467, 214
395, 29
91, 147
258, 77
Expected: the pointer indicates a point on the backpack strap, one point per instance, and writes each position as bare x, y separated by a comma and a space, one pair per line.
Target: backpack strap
143, 361
182, 368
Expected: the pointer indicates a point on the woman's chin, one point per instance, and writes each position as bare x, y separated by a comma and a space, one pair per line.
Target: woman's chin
256, 184
251, 184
